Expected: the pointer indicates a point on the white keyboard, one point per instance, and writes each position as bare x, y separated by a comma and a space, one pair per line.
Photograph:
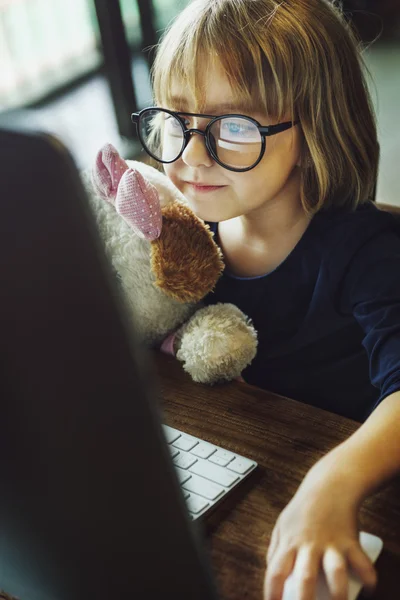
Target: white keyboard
206, 472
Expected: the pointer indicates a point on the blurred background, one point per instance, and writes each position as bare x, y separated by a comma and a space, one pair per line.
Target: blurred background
78, 68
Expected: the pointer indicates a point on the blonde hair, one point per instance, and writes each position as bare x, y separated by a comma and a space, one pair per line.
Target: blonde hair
297, 57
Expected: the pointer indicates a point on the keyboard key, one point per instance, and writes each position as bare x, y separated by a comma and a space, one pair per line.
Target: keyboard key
174, 451
203, 487
182, 475
171, 434
203, 450
184, 460
195, 504
222, 462
241, 465
185, 443
224, 455
213, 472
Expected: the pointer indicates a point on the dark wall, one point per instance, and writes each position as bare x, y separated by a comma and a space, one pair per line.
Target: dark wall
384, 20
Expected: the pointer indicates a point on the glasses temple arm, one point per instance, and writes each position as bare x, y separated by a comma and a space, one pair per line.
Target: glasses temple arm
272, 129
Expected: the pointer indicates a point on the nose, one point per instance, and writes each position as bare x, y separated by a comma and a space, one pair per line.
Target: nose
196, 154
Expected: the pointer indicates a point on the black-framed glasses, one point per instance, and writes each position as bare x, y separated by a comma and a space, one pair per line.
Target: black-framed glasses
235, 142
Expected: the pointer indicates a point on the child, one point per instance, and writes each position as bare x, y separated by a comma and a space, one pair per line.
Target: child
285, 181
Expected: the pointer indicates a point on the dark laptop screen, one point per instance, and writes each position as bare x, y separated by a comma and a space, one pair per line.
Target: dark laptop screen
89, 502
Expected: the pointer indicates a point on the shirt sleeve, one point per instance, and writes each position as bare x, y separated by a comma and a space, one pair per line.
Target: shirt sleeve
371, 292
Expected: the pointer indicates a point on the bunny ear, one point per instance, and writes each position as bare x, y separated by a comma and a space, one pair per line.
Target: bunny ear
138, 204
107, 172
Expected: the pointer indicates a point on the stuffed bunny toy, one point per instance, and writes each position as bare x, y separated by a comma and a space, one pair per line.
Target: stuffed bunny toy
165, 260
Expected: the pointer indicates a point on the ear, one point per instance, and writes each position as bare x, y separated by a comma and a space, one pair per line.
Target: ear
138, 204
107, 172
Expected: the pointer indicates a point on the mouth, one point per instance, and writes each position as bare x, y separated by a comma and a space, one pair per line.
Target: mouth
203, 188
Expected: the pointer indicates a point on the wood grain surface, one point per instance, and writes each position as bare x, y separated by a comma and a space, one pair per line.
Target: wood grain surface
286, 438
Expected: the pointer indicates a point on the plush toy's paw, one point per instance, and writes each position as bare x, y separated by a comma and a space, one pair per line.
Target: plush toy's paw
107, 172
138, 204
216, 344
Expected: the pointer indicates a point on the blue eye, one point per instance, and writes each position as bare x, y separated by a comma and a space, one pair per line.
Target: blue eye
238, 129
234, 127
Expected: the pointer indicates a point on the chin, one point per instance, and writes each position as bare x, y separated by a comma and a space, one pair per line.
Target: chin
212, 214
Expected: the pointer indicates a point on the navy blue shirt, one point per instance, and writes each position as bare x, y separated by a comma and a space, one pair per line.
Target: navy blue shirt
328, 317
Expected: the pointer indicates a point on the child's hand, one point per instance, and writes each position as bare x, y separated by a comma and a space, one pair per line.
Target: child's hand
318, 528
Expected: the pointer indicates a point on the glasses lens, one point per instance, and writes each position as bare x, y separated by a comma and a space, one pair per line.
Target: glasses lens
236, 141
162, 134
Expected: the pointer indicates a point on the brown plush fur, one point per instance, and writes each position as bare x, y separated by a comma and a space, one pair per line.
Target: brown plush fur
185, 260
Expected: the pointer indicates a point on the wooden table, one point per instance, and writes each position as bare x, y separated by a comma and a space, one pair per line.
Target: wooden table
286, 438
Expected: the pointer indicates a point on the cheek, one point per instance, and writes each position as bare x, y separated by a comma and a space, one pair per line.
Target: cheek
294, 143
171, 172
281, 156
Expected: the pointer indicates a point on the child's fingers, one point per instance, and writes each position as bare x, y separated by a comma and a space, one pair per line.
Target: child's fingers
335, 567
278, 571
363, 567
306, 572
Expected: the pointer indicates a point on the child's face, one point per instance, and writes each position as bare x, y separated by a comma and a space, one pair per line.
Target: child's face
273, 181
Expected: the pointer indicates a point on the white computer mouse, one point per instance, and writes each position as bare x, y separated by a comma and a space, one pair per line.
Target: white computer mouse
372, 546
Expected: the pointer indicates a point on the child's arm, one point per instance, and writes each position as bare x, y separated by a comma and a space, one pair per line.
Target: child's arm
320, 522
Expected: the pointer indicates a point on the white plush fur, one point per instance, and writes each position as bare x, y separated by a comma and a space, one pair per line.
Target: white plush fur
218, 342
154, 314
